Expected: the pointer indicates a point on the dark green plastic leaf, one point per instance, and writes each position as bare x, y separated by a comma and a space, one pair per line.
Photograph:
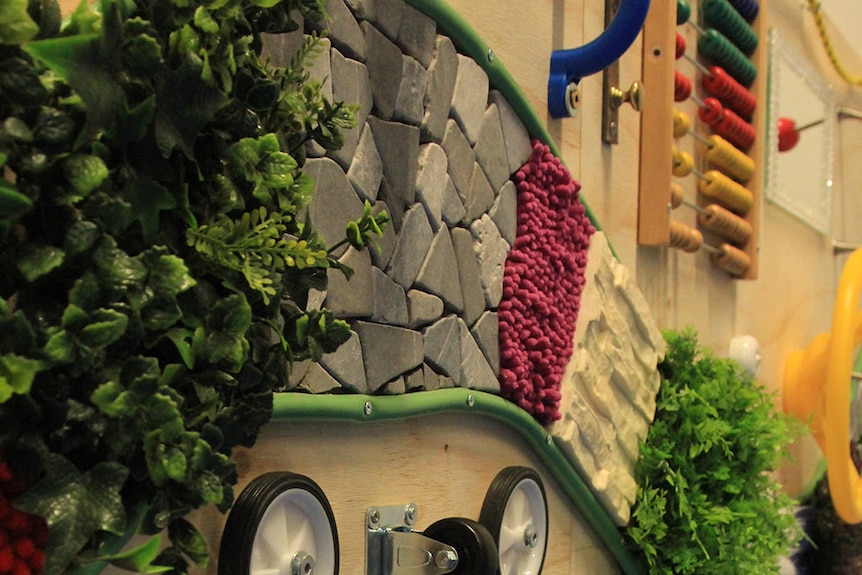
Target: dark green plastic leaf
85, 172
37, 260
75, 506
185, 103
16, 26
189, 541
16, 375
139, 559
148, 198
80, 237
20, 83
12, 202
109, 326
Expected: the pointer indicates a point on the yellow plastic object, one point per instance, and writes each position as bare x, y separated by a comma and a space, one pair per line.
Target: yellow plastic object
817, 386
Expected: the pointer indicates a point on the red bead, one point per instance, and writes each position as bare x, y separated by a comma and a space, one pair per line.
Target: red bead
710, 112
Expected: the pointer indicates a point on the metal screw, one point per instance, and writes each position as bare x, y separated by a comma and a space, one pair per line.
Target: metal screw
531, 537
368, 408
550, 440
491, 55
302, 564
471, 401
410, 514
373, 517
446, 559
612, 129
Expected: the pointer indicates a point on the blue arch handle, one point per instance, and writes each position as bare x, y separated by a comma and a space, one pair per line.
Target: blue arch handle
569, 66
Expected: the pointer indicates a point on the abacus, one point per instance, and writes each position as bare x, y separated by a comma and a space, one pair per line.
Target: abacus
703, 128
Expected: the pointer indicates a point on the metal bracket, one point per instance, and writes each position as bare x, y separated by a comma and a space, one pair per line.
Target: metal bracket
393, 548
610, 80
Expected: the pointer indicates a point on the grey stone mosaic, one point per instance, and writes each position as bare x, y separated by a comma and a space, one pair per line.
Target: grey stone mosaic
335, 202
504, 212
408, 102
413, 243
486, 332
351, 298
491, 251
442, 342
388, 351
470, 97
366, 170
439, 89
439, 272
351, 85
383, 246
416, 35
515, 135
431, 182
460, 155
453, 207
398, 145
479, 197
385, 65
423, 308
490, 149
346, 365
318, 380
388, 17
342, 28
468, 275
390, 301
475, 371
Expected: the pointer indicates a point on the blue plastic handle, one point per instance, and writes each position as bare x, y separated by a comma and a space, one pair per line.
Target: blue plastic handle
569, 66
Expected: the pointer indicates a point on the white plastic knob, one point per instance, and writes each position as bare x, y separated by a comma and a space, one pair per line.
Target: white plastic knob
745, 349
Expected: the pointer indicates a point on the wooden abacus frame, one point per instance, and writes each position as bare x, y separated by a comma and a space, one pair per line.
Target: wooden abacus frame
659, 62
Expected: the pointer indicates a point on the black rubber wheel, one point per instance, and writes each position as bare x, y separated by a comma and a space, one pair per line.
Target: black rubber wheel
280, 523
515, 512
477, 554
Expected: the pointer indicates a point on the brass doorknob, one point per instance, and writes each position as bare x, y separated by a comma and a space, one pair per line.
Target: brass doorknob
634, 96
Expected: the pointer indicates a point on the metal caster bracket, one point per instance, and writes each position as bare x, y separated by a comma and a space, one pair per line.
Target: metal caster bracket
393, 548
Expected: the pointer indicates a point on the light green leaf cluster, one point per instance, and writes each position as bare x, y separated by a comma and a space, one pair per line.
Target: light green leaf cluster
707, 499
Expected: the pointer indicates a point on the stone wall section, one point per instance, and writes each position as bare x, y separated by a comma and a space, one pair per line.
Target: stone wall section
436, 146
610, 383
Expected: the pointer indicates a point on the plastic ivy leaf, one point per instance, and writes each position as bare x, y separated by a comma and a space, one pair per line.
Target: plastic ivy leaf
139, 559
148, 198
37, 261
189, 541
16, 26
16, 375
84, 172
75, 506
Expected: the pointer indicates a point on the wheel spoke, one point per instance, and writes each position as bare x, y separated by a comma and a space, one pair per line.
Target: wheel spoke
510, 538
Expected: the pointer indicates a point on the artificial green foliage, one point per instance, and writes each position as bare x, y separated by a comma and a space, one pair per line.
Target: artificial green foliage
706, 500
155, 259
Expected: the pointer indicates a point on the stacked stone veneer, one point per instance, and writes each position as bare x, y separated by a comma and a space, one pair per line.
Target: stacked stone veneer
610, 384
436, 146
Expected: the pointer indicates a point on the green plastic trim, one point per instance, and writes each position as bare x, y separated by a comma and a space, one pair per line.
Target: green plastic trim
468, 41
292, 407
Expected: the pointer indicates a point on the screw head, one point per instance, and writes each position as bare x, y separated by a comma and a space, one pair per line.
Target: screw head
368, 408
302, 564
410, 512
491, 55
373, 517
471, 400
446, 559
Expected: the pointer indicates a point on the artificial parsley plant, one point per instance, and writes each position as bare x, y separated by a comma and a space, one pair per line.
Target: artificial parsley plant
707, 502
155, 262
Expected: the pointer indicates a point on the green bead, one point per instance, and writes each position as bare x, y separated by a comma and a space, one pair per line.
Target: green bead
683, 11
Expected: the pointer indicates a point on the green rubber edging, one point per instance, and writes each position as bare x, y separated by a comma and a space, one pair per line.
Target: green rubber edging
468, 41
292, 407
